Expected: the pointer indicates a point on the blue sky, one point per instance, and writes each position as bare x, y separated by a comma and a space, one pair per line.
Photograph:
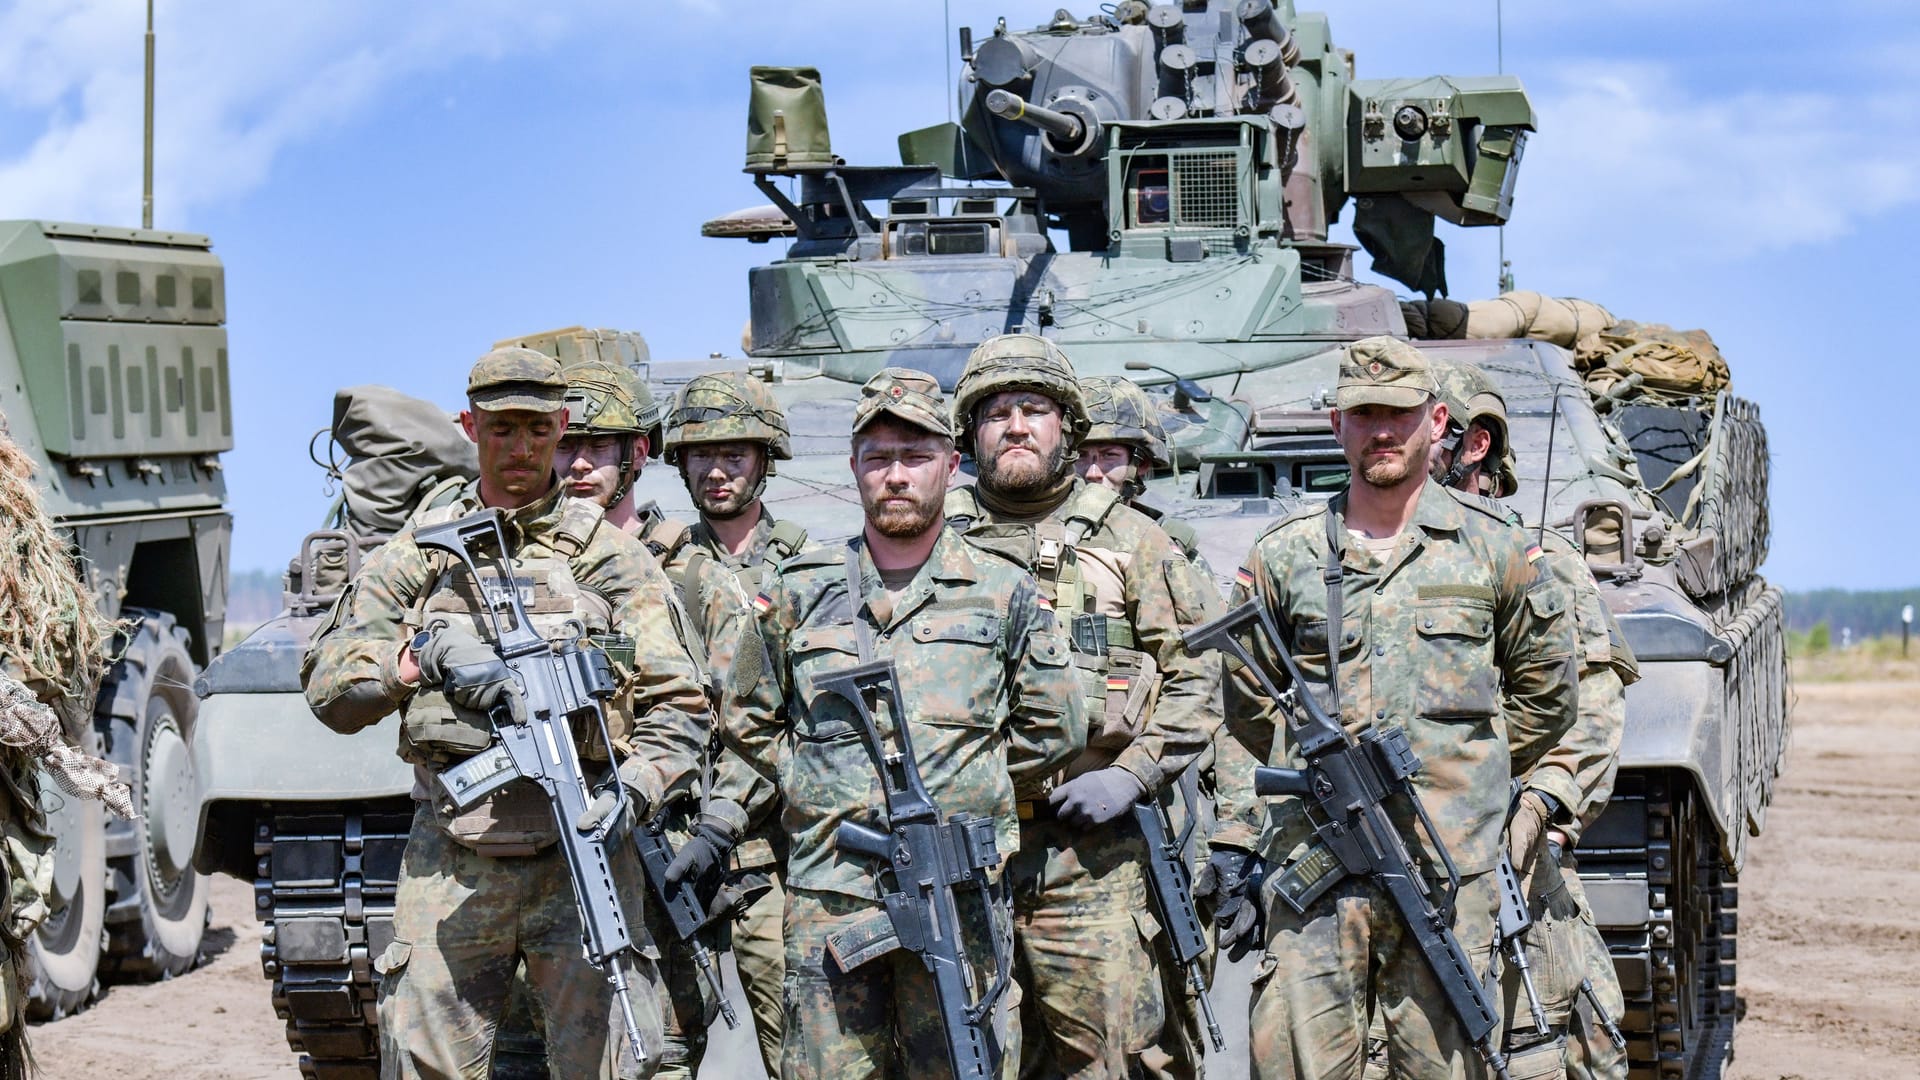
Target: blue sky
392, 187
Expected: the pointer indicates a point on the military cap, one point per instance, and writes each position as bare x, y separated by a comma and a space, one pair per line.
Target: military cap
909, 395
516, 378
1384, 371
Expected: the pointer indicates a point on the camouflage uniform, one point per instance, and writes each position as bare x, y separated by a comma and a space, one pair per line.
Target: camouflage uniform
754, 866
1095, 1003
986, 677
1563, 945
482, 892
1121, 412
1429, 633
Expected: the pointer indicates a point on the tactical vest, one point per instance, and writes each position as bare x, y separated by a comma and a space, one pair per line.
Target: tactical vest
785, 540
517, 819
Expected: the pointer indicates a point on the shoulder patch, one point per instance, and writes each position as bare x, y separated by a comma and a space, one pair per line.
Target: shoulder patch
1014, 543
1487, 505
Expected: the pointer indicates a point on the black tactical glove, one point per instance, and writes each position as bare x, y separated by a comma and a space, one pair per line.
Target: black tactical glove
469, 671
1097, 797
1232, 878
703, 853
603, 804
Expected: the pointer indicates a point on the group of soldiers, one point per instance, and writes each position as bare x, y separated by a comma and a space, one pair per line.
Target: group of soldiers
1035, 623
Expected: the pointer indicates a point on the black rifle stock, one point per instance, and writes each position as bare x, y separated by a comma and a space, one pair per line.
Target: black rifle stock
681, 902
1170, 884
1346, 784
535, 741
928, 859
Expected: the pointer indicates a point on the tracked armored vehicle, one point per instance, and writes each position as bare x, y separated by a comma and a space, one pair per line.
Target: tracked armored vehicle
1152, 189
113, 376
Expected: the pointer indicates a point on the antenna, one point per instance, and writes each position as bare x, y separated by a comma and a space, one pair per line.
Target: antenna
146, 178
946, 39
1546, 481
1505, 283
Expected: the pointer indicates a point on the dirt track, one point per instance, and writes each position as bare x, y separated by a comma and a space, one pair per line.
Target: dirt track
1829, 923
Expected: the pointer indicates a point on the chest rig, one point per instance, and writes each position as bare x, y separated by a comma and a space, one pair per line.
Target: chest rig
516, 820
1089, 595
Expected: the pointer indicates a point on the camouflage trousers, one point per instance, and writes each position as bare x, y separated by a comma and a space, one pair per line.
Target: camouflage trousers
1326, 973
1563, 947
760, 954
882, 1019
1084, 956
688, 1005
462, 923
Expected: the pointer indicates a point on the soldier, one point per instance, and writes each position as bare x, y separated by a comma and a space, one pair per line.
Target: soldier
725, 433
1093, 1001
1568, 789
1124, 444
483, 891
611, 422
1429, 600
988, 688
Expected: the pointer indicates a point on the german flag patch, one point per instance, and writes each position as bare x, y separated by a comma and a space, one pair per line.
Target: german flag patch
762, 604
1042, 599
1243, 578
1118, 684
1534, 553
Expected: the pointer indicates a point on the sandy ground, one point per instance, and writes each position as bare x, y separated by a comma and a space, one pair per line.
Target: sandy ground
1829, 923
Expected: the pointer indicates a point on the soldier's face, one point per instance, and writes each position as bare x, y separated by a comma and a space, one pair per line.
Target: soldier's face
903, 472
723, 476
1387, 447
589, 465
516, 452
1019, 441
1108, 463
1474, 445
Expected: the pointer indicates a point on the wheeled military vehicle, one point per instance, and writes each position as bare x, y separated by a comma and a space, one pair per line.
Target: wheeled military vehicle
1152, 188
113, 376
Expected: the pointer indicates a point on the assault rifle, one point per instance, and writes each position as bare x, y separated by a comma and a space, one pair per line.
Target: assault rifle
683, 907
1347, 784
928, 859
1170, 883
534, 740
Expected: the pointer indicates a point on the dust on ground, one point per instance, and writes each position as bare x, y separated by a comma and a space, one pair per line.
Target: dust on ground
1829, 938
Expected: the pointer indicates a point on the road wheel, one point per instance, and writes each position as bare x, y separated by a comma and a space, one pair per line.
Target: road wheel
159, 911
66, 948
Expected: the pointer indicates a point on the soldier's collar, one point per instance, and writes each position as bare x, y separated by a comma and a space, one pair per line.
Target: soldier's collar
1437, 511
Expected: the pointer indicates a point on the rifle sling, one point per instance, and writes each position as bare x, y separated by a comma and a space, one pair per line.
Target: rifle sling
1331, 574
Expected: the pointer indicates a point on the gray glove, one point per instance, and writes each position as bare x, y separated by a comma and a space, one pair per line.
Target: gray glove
1533, 812
469, 671
603, 804
1097, 797
703, 853
1232, 878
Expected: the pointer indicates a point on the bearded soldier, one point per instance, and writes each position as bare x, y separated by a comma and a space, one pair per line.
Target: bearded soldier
725, 433
988, 695
611, 421
483, 891
1094, 1003
1568, 789
1404, 603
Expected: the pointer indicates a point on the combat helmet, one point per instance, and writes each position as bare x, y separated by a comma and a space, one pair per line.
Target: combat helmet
727, 406
608, 399
1119, 411
1019, 362
1469, 396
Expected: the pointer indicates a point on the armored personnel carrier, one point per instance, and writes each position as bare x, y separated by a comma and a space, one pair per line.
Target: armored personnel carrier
1152, 188
113, 375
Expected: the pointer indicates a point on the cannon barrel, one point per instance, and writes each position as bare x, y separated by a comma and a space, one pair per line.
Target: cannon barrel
1067, 129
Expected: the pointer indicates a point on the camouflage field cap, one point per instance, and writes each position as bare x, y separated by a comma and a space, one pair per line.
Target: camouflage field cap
608, 399
727, 406
516, 378
1019, 362
1384, 371
1121, 412
911, 396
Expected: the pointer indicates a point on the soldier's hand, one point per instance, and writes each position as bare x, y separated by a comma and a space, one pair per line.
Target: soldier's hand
1097, 797
469, 671
603, 805
1528, 826
703, 853
1233, 878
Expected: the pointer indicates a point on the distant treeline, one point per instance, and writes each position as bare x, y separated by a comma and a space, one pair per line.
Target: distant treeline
1867, 614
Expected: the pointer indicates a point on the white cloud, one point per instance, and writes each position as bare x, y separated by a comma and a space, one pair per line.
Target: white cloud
238, 81
1628, 152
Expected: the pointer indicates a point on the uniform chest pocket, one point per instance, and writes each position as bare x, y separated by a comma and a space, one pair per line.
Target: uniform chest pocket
817, 651
1310, 643
954, 668
1457, 672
